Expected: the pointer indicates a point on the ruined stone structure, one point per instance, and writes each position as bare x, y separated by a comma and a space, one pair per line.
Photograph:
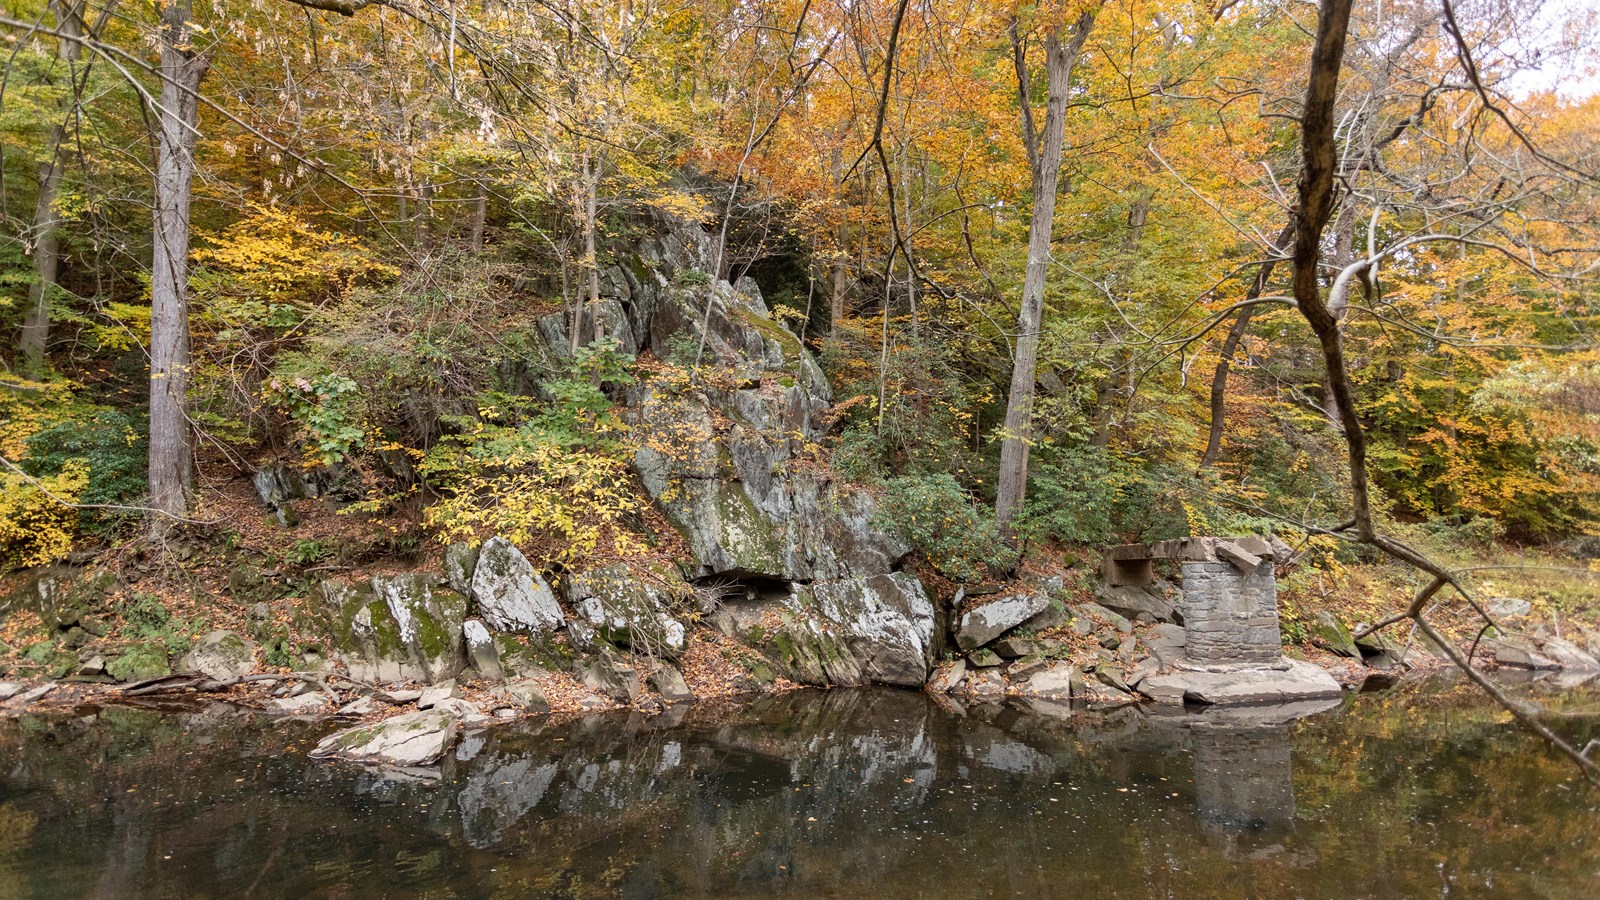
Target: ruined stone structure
1233, 650
1230, 594
1230, 616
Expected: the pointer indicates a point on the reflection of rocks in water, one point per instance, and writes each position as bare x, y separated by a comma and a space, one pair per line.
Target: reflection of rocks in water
1244, 791
498, 793
1244, 778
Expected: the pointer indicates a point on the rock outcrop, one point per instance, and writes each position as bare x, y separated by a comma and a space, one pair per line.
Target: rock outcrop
877, 630
631, 608
395, 628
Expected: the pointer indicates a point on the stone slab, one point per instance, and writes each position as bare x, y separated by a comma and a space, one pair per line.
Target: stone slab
1299, 681
983, 623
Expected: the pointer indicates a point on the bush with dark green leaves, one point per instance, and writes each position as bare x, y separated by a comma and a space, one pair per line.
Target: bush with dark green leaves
935, 515
113, 446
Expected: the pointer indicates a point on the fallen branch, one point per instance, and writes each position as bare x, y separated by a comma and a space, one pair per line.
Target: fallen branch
197, 683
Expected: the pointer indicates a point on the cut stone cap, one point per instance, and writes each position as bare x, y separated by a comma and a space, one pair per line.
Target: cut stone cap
1244, 553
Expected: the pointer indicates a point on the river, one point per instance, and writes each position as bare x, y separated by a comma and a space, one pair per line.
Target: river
1421, 791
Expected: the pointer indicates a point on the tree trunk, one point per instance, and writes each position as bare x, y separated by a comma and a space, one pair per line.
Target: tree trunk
838, 294
1018, 432
480, 216
424, 229
171, 448
1230, 345
46, 220
591, 215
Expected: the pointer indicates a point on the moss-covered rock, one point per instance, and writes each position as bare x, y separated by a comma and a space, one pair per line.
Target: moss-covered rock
221, 655
1330, 634
395, 628
632, 608
140, 662
61, 596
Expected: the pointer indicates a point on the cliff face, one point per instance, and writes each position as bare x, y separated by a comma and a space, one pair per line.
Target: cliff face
802, 573
778, 554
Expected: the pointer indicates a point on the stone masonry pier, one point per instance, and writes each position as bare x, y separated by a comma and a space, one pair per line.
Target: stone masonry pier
1233, 648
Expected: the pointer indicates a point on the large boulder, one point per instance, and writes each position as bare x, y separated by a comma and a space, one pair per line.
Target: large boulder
719, 467
1130, 601
395, 628
984, 622
221, 656
611, 674
1330, 634
510, 594
633, 609
481, 650
877, 630
412, 739
460, 563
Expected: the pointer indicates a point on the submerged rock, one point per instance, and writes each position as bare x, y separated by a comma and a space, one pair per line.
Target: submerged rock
221, 656
413, 739
510, 594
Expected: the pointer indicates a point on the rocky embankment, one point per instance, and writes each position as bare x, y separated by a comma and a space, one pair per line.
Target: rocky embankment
783, 577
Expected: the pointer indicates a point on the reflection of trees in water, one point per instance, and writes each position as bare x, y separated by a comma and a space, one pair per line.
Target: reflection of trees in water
822, 792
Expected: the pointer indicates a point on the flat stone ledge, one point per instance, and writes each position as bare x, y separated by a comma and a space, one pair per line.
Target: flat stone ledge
1243, 685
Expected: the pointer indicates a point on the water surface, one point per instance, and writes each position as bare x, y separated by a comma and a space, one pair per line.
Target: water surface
872, 793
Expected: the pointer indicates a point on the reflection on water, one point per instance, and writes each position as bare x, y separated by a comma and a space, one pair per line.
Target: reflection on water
841, 793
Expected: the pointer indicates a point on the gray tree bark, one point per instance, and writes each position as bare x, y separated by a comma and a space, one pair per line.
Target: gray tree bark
171, 443
480, 216
35, 333
1060, 58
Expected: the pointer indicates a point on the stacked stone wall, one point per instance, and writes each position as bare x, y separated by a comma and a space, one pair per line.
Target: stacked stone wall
1229, 616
